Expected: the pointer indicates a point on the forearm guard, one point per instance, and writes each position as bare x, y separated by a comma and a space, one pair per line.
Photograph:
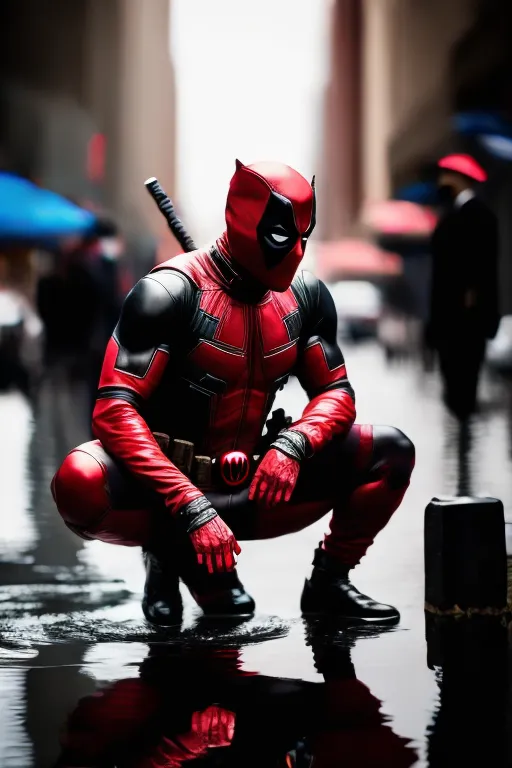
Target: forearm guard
293, 444
195, 514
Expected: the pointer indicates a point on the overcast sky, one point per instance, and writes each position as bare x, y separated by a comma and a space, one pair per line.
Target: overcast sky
250, 77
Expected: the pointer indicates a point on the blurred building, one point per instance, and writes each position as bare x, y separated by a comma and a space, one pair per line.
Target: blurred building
87, 102
403, 72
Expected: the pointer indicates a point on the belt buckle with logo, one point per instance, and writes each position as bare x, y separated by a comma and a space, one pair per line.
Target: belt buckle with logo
234, 468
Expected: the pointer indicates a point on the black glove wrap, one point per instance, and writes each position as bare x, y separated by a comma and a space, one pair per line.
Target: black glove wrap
292, 444
195, 514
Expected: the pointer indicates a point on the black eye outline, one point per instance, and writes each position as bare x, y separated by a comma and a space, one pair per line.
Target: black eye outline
312, 223
278, 218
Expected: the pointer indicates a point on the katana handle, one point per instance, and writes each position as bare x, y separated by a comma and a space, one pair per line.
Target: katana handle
167, 209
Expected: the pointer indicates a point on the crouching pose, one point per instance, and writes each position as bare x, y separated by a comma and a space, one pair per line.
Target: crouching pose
179, 466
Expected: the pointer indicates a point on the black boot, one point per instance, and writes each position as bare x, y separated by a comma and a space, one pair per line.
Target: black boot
161, 603
329, 592
219, 595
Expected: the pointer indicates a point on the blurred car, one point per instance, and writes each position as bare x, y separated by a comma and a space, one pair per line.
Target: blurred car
399, 334
359, 306
21, 338
499, 350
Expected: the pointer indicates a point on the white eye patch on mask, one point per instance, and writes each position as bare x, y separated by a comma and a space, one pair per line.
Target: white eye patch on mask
279, 238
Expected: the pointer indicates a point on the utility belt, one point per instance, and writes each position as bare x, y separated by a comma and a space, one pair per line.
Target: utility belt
232, 471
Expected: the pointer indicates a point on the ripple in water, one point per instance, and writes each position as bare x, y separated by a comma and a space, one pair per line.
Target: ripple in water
86, 627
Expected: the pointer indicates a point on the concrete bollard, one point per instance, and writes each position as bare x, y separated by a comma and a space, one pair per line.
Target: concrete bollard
465, 556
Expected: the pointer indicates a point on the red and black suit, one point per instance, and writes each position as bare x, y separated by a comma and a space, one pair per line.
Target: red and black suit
203, 344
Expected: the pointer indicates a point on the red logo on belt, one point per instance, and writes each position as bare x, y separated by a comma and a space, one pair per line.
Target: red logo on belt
234, 467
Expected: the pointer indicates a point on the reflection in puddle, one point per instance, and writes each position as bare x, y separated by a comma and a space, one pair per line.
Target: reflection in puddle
186, 703
158, 705
70, 626
17, 529
15, 746
470, 659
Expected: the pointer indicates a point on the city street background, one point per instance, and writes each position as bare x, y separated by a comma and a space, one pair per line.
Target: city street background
95, 97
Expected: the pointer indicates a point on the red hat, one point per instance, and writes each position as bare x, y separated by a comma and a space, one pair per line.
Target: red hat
465, 165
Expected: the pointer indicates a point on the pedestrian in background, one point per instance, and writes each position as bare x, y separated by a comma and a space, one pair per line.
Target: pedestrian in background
464, 310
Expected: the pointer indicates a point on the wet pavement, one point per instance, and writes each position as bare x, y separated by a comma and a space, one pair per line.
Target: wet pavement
273, 690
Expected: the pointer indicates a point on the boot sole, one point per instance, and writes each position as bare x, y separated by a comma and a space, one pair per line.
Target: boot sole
172, 623
360, 619
156, 625
228, 615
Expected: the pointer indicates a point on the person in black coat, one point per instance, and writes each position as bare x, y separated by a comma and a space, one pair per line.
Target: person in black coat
464, 310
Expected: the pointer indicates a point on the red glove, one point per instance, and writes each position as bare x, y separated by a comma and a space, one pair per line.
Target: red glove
215, 725
215, 545
275, 478
213, 541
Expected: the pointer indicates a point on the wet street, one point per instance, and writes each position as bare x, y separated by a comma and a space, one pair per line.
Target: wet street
70, 619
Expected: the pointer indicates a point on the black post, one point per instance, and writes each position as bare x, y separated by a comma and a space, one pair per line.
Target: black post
465, 556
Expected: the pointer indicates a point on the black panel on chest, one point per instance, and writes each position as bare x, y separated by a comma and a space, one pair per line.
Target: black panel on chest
204, 326
293, 323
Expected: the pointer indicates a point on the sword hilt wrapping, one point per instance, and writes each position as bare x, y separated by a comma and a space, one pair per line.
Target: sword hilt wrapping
167, 210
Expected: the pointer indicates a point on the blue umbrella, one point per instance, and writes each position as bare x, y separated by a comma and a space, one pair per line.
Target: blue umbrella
28, 213
496, 145
479, 122
421, 192
490, 129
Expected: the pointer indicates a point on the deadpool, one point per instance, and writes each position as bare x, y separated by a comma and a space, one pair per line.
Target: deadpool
182, 465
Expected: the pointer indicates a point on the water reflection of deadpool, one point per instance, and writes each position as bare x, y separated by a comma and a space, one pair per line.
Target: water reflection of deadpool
234, 468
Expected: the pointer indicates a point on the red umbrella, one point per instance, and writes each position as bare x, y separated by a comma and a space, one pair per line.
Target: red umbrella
464, 164
399, 217
355, 258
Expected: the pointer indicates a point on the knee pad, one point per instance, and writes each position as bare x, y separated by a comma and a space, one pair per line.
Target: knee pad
393, 450
80, 488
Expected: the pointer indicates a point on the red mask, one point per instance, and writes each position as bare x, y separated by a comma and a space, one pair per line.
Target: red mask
270, 213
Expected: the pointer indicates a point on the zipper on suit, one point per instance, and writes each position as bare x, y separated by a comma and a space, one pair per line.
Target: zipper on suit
252, 340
